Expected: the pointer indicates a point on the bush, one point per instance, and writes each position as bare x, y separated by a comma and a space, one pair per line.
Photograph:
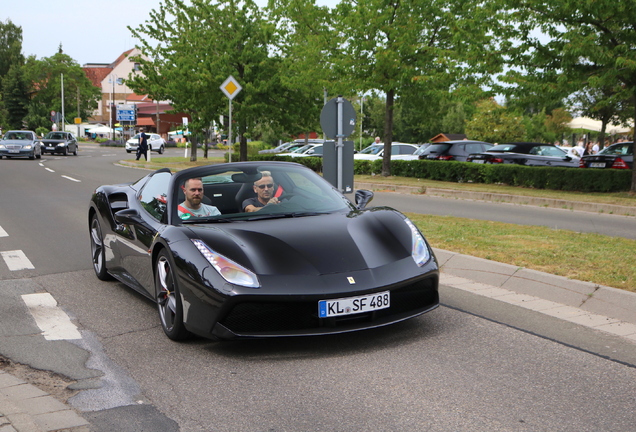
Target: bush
570, 179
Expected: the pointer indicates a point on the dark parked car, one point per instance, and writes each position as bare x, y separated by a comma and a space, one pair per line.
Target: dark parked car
619, 156
59, 142
453, 150
525, 153
20, 143
313, 264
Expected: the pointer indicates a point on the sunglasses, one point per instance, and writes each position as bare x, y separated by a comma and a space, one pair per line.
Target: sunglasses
263, 186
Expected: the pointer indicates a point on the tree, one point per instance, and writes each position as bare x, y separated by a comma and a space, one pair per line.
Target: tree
44, 78
604, 104
190, 49
392, 45
10, 47
493, 123
16, 97
589, 45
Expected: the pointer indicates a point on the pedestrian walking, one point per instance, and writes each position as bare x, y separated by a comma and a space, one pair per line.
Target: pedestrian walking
142, 148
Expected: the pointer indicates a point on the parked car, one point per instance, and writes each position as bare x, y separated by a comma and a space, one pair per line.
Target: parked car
525, 153
307, 150
288, 147
20, 143
59, 142
618, 156
453, 150
414, 156
376, 151
155, 143
313, 264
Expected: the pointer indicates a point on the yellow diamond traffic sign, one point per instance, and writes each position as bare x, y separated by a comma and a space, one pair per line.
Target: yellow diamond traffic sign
231, 87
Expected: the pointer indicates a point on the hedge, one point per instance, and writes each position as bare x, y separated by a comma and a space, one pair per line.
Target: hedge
555, 178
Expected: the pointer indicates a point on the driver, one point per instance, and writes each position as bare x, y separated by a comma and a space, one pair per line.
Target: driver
264, 188
192, 206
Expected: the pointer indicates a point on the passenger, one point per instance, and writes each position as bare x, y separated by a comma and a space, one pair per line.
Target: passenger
264, 188
192, 206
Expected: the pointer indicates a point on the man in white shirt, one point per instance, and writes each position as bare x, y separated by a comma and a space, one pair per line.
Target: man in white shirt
192, 206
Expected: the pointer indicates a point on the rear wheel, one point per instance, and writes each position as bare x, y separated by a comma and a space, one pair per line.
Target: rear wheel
161, 149
97, 250
168, 298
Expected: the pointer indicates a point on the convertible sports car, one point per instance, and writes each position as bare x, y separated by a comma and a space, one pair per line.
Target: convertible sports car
314, 263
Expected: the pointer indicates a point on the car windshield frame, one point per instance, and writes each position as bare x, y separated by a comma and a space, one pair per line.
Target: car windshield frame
304, 193
612, 149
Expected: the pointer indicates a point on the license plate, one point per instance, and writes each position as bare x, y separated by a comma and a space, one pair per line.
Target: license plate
478, 161
597, 165
14, 151
354, 305
50, 148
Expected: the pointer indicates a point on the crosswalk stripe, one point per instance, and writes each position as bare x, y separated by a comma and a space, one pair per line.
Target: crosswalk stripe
16, 260
53, 321
3, 233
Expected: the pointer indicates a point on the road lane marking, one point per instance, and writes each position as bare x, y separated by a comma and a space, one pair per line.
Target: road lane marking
72, 179
3, 233
53, 321
16, 260
49, 169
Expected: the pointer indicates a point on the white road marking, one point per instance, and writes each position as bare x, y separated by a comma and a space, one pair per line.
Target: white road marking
3, 233
53, 321
49, 169
72, 179
16, 260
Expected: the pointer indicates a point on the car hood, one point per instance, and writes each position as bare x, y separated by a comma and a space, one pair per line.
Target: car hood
312, 245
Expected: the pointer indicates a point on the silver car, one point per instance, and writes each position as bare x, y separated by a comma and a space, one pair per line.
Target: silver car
20, 143
155, 143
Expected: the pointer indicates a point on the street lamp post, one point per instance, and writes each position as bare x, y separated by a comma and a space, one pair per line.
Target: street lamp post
112, 103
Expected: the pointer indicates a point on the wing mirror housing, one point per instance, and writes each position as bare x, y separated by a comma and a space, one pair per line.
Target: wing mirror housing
363, 197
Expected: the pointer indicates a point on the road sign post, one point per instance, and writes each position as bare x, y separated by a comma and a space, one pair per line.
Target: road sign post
230, 88
338, 120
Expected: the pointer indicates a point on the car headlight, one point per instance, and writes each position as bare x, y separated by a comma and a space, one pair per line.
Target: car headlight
61, 144
419, 251
2, 146
27, 146
230, 271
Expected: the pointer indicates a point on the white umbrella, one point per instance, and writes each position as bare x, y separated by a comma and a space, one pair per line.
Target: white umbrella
595, 125
102, 130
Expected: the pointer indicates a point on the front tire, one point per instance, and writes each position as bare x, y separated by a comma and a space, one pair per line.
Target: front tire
97, 250
161, 149
168, 298
75, 151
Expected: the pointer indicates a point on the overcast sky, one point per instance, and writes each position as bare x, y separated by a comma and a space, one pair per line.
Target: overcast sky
90, 32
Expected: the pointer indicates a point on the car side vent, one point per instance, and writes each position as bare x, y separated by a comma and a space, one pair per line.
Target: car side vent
118, 202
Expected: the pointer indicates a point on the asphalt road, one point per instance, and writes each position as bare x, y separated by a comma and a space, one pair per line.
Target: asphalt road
471, 365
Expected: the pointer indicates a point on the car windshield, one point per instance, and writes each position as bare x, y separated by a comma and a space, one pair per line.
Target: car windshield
420, 150
303, 149
18, 136
503, 148
436, 148
55, 135
622, 149
223, 191
373, 149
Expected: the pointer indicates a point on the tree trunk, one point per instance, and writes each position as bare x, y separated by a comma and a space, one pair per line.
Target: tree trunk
388, 133
193, 147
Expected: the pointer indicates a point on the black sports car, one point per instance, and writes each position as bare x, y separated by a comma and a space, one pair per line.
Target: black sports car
618, 156
313, 263
525, 153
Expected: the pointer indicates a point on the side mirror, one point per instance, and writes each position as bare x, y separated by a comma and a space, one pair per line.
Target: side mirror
128, 216
363, 197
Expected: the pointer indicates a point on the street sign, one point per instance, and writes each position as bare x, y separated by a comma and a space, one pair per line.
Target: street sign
231, 87
329, 118
125, 113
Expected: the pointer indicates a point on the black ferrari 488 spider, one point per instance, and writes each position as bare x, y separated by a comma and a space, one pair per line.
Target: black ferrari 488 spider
304, 261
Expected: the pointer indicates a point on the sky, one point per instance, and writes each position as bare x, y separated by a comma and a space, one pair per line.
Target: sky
90, 32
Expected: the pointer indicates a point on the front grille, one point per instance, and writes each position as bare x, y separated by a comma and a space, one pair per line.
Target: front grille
14, 147
298, 316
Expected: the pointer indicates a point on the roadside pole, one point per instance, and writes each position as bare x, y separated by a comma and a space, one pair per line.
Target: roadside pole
230, 88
